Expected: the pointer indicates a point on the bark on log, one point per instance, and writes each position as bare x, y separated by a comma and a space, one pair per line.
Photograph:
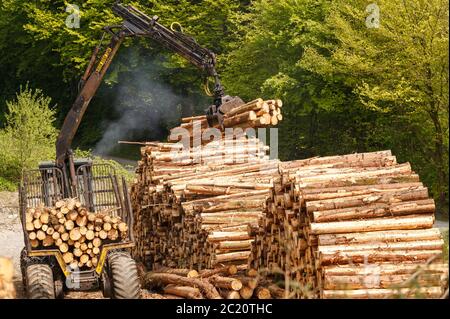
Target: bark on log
225, 270
205, 287
396, 223
372, 256
380, 236
246, 292
225, 282
427, 292
183, 291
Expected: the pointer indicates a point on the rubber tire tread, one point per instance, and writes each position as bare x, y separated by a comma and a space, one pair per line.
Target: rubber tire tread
124, 276
39, 280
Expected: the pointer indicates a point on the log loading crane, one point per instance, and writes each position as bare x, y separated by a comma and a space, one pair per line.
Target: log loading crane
44, 272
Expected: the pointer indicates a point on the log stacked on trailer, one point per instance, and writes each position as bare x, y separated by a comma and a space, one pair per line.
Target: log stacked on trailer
7, 290
254, 114
225, 282
76, 232
197, 208
354, 226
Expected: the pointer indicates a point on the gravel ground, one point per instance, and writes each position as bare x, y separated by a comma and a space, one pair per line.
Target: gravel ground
11, 236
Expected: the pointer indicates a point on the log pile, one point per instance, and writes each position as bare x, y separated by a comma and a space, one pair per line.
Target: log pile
225, 282
354, 226
7, 290
76, 232
254, 114
198, 208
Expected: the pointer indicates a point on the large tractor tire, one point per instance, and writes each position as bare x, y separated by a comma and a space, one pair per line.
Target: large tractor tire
124, 276
39, 282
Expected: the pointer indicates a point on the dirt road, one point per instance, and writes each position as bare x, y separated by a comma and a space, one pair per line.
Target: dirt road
11, 236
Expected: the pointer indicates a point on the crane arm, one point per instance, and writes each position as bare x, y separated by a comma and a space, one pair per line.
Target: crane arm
139, 24
90, 83
135, 24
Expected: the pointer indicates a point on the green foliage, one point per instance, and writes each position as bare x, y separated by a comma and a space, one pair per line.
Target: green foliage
400, 72
29, 135
7, 185
39, 47
348, 87
121, 170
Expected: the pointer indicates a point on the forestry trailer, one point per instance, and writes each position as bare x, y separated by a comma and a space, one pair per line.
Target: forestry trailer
44, 271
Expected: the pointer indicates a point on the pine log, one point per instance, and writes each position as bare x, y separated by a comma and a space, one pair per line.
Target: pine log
220, 258
246, 292
380, 236
47, 241
209, 291
225, 282
227, 294
68, 257
384, 269
225, 270
228, 236
183, 291
190, 273
411, 245
399, 223
64, 248
251, 106
376, 210
40, 235
422, 292
276, 292
251, 282
262, 293
372, 256
366, 199
75, 234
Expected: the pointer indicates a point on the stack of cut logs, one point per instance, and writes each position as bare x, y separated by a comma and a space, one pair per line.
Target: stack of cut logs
357, 226
76, 232
197, 208
225, 282
7, 290
254, 114
353, 226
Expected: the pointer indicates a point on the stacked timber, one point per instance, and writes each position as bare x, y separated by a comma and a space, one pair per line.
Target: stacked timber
252, 115
225, 282
7, 290
198, 208
77, 233
354, 226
